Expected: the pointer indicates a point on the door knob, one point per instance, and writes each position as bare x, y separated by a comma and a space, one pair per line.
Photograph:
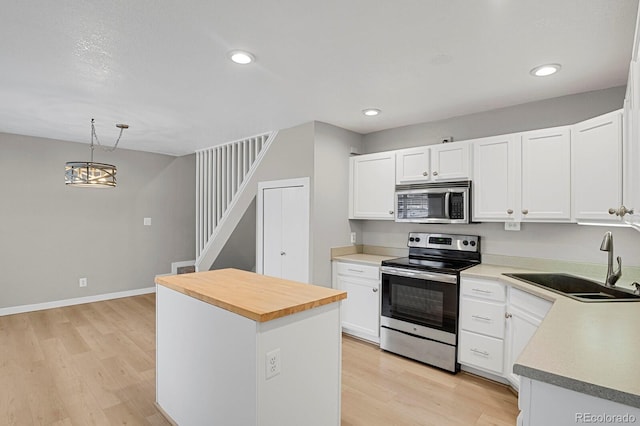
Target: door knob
525, 211
375, 290
507, 315
425, 174
435, 173
509, 211
390, 211
282, 253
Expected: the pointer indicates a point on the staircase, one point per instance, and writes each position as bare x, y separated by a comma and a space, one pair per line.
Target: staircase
222, 174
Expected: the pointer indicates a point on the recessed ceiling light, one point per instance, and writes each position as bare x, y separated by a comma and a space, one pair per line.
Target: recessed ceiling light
370, 112
545, 70
241, 57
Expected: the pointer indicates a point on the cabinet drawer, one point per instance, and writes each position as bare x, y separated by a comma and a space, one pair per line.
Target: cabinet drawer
483, 289
529, 303
482, 317
358, 270
481, 351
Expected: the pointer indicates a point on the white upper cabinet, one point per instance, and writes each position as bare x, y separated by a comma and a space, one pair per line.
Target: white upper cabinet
596, 165
372, 189
413, 165
433, 163
450, 161
496, 178
631, 148
546, 175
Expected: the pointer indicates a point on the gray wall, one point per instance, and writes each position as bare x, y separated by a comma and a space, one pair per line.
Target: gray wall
51, 235
330, 226
569, 242
535, 115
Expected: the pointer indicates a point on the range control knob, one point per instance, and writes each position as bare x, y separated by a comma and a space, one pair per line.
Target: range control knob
473, 243
417, 239
465, 242
412, 239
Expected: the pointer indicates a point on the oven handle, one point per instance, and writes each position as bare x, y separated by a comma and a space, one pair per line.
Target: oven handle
444, 278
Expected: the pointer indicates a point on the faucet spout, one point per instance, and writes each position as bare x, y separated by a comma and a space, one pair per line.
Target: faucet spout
612, 276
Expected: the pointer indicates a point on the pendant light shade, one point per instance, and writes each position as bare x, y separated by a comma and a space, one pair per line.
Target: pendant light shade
89, 174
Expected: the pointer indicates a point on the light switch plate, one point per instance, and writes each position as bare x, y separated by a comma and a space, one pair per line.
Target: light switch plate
147, 221
353, 238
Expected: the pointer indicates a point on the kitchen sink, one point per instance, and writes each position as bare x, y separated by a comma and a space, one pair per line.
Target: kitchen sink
577, 288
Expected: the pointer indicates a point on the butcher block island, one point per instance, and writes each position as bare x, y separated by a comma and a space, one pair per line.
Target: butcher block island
235, 347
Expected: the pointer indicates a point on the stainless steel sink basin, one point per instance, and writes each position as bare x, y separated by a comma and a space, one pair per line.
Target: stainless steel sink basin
577, 288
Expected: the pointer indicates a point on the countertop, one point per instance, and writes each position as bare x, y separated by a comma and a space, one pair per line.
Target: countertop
363, 258
592, 348
257, 297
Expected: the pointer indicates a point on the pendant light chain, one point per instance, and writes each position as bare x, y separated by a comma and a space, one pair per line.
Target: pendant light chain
95, 135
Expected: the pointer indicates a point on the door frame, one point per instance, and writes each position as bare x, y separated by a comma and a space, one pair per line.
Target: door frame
303, 182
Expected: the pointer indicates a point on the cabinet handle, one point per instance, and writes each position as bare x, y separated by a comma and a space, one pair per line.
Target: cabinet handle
390, 211
355, 270
507, 315
623, 211
477, 352
525, 211
480, 318
479, 290
425, 174
613, 211
435, 173
375, 290
283, 253
509, 211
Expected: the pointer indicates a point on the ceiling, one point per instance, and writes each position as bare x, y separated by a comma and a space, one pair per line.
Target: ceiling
161, 66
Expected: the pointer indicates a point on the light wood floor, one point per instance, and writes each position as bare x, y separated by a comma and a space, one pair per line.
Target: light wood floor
94, 364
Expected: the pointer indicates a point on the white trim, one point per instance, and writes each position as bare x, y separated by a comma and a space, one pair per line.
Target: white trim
303, 182
75, 301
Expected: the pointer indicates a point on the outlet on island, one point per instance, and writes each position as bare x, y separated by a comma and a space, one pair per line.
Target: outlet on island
273, 363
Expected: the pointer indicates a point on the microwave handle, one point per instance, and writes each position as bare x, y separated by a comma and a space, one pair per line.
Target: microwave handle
447, 196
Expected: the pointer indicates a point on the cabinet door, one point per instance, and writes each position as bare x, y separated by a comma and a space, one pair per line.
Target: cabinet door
373, 186
631, 146
496, 179
412, 165
520, 329
360, 311
596, 165
546, 176
450, 161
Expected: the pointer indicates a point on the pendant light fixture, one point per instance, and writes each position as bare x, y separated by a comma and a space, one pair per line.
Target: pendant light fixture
88, 174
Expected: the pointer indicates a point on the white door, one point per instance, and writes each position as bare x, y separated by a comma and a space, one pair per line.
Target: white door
360, 312
520, 329
373, 186
546, 174
450, 161
283, 230
412, 165
496, 179
596, 157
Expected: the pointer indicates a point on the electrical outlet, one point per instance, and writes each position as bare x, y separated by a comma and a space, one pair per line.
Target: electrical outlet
83, 282
353, 238
147, 221
512, 226
273, 363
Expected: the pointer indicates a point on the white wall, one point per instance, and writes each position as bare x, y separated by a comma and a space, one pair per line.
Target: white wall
569, 242
51, 235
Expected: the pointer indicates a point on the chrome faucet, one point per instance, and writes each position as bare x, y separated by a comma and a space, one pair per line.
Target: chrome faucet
607, 245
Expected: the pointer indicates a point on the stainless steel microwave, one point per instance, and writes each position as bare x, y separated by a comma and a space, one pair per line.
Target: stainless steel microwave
445, 202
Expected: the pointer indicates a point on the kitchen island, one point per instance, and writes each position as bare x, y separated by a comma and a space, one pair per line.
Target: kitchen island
234, 347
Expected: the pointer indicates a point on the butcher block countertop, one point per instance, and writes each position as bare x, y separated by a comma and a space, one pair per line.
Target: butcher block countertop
257, 297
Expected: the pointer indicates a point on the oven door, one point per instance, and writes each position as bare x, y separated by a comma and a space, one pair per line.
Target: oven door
422, 298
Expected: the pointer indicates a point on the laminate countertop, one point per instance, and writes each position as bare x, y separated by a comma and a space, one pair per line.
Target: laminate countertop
592, 348
363, 258
254, 296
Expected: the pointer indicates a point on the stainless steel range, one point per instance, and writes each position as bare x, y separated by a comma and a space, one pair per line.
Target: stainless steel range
420, 294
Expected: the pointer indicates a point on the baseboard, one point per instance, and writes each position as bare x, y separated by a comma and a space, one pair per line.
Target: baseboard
75, 301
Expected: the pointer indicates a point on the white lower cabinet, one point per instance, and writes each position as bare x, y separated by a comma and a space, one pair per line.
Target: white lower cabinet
360, 311
525, 312
481, 334
496, 323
